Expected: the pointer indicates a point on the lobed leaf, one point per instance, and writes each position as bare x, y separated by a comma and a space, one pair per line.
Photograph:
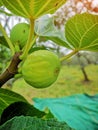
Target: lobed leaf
81, 31
44, 27
33, 123
6, 13
32, 8
3, 41
7, 97
1, 3
18, 109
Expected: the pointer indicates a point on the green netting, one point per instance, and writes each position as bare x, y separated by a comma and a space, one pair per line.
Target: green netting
80, 111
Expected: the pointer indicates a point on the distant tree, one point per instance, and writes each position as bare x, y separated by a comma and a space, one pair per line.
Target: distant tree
73, 7
82, 67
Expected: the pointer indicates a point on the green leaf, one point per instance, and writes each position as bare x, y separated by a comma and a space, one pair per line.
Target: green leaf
37, 48
44, 27
18, 109
3, 41
81, 31
33, 8
33, 123
7, 97
4, 12
1, 3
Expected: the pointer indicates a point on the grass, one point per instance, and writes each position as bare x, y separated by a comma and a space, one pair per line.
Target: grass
70, 81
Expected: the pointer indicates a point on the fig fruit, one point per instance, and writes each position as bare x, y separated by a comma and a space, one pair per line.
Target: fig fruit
41, 68
19, 34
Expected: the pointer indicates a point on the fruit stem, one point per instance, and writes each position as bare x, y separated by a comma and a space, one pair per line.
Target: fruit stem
7, 39
69, 55
29, 41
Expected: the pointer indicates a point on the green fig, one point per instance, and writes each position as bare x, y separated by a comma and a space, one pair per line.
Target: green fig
19, 34
41, 68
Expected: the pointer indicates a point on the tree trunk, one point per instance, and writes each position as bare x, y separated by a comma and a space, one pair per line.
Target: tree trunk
86, 79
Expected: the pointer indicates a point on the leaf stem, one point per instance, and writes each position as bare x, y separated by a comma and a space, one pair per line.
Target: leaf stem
29, 41
69, 55
7, 39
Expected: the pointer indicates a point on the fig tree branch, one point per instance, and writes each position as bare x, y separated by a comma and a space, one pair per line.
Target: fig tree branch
11, 70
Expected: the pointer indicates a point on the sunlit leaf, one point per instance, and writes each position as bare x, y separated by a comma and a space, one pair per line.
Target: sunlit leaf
33, 8
44, 27
81, 31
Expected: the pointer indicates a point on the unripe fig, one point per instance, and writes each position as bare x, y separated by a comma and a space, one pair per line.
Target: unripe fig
41, 68
19, 34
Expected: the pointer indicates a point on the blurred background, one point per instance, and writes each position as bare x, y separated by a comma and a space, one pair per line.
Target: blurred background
79, 74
